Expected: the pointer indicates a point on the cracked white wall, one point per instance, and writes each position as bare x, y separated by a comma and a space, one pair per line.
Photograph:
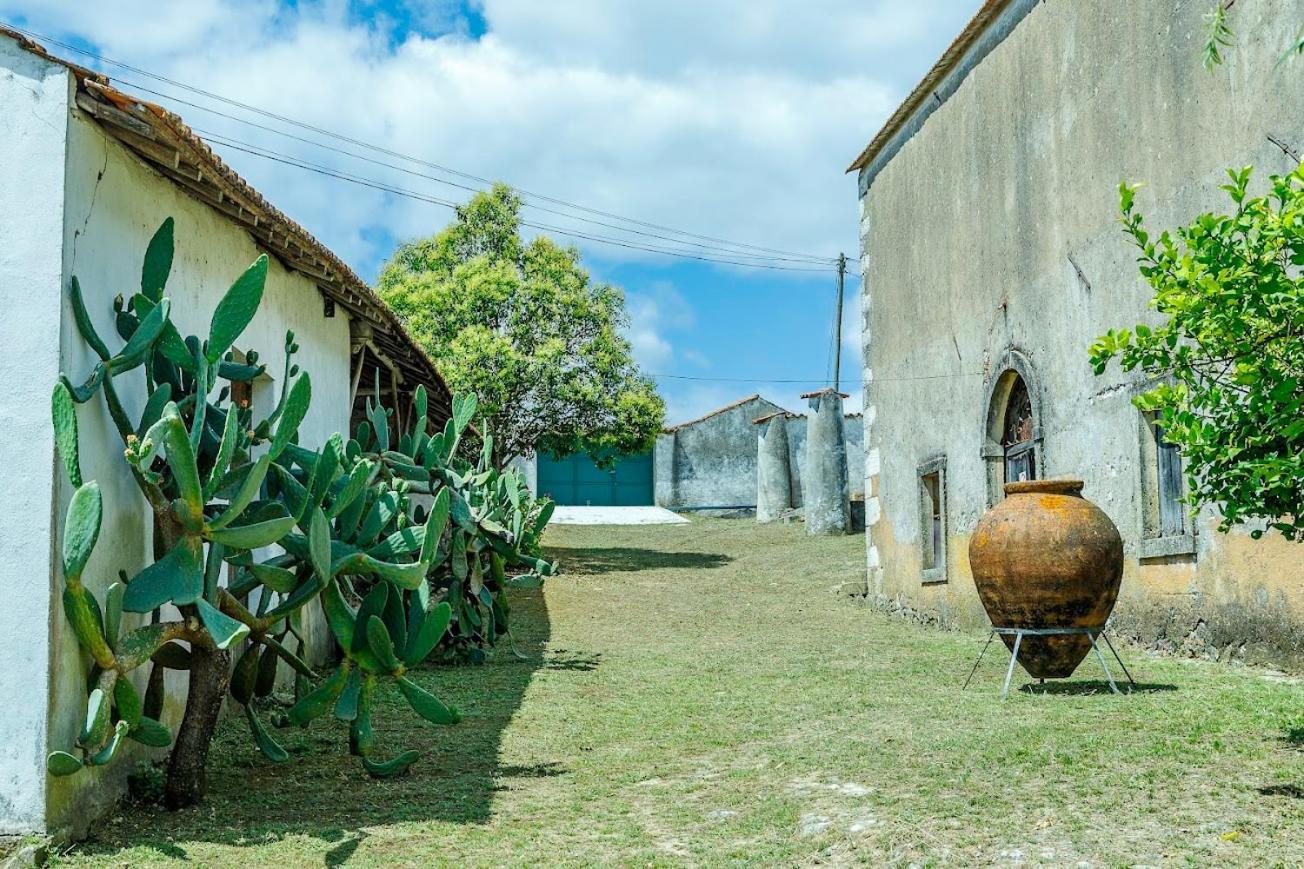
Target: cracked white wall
81, 204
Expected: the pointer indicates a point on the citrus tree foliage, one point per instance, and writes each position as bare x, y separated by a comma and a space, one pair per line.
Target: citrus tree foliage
1227, 364
524, 327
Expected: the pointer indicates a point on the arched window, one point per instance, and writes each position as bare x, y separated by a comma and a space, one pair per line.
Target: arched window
1017, 434
1012, 446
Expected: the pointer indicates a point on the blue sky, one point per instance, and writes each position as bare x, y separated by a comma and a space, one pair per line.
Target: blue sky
733, 119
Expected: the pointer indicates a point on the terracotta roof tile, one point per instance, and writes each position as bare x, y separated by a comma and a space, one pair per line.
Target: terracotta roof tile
168, 146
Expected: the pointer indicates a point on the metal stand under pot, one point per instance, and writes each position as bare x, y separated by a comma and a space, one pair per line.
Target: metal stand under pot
1094, 634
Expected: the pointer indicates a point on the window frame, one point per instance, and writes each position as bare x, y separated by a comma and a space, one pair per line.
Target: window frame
1154, 541
930, 546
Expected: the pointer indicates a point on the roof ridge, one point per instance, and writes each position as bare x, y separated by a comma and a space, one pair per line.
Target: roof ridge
719, 410
136, 111
924, 91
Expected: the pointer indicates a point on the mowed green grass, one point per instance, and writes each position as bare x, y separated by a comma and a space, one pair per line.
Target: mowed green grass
696, 694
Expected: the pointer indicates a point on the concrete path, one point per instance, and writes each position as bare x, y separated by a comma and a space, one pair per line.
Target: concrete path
615, 516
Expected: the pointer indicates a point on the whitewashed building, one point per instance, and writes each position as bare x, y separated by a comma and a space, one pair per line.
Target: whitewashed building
87, 174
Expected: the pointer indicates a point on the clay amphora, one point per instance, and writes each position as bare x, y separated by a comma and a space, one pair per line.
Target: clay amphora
1045, 557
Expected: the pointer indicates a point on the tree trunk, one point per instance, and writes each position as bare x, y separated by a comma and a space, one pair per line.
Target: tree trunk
187, 781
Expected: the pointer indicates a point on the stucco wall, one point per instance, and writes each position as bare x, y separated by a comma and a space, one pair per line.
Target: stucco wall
714, 459
33, 99
974, 235
89, 209
712, 462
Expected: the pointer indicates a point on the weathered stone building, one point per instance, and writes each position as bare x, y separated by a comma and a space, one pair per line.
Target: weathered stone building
709, 463
992, 258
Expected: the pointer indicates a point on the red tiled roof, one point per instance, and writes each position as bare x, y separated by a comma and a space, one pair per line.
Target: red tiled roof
168, 146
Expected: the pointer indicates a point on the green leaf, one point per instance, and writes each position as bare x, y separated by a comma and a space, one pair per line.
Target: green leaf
142, 339
278, 579
372, 605
64, 413
405, 576
177, 578
401, 542
83, 614
127, 701
152, 733
222, 628
174, 349
96, 728
225, 451
433, 628
243, 675
426, 704
391, 768
319, 544
359, 478
346, 709
319, 700
158, 262
83, 320
61, 763
381, 645
81, 529
339, 615
106, 754
172, 656
113, 612
153, 411
269, 747
296, 408
464, 407
254, 536
181, 457
236, 309
436, 523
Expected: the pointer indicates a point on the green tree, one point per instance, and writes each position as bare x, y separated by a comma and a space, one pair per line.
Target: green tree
1227, 365
524, 327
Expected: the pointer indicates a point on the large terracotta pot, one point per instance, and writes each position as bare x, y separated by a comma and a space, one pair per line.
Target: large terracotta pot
1045, 557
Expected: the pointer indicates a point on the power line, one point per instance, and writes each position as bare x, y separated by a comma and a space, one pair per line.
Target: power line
446, 169
423, 197
809, 380
817, 380
455, 184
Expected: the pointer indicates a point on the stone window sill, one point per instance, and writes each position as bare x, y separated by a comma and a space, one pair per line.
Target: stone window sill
934, 576
1167, 547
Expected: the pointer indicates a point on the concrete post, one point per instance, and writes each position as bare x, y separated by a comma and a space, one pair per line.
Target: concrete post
827, 510
663, 471
773, 480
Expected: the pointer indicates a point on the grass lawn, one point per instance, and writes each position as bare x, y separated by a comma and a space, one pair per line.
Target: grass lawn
695, 694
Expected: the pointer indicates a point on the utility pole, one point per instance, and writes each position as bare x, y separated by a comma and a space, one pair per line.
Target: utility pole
837, 347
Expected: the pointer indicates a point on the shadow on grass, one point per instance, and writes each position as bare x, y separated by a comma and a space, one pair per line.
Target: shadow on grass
1094, 686
1293, 734
568, 660
324, 793
625, 559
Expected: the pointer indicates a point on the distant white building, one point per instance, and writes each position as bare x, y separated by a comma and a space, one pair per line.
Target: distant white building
87, 174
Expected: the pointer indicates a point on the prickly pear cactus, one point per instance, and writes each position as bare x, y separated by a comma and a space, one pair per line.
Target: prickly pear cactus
392, 576
415, 549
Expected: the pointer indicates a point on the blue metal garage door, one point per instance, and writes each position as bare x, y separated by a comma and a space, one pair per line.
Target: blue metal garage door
577, 481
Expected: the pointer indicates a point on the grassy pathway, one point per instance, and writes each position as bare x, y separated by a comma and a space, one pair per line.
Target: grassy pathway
696, 695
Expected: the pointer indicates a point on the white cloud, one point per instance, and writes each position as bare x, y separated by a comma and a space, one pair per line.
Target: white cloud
734, 118
652, 314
